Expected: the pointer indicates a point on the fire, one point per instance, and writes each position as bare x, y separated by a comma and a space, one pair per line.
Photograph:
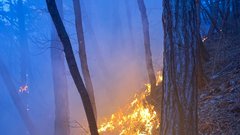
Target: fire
23, 88
137, 118
159, 77
204, 39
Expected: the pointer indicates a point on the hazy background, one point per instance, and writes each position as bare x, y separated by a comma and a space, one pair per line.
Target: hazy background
115, 55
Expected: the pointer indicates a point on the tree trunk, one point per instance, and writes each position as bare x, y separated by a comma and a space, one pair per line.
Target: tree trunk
17, 101
179, 101
62, 33
202, 53
98, 54
147, 45
82, 53
103, 72
59, 83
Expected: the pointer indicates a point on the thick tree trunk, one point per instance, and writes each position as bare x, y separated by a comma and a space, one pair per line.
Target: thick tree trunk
59, 83
62, 33
17, 101
179, 102
147, 44
82, 54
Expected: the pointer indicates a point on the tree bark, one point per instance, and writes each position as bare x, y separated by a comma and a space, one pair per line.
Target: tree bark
61, 123
147, 44
179, 101
82, 54
17, 101
62, 33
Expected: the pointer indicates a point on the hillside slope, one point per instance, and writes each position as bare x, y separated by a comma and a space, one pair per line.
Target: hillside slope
219, 101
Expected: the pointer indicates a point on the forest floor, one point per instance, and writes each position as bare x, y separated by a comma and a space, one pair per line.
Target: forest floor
219, 101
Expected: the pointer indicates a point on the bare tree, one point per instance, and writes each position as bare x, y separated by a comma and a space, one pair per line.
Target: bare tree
62, 33
59, 82
180, 97
147, 44
82, 53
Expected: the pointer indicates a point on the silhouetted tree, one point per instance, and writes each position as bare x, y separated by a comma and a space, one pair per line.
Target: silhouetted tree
82, 53
180, 98
147, 44
97, 51
62, 33
60, 87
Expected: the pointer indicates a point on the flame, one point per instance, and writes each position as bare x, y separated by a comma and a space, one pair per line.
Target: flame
159, 78
204, 39
23, 88
137, 118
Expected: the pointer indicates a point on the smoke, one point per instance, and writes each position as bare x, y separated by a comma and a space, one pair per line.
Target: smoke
115, 54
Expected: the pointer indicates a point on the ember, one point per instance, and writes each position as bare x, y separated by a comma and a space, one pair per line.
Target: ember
23, 88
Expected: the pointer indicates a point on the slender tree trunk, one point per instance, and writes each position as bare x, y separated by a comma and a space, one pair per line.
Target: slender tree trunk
98, 54
82, 54
147, 44
179, 101
17, 101
59, 83
103, 72
62, 33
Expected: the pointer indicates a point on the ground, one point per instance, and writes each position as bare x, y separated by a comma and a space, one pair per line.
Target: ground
219, 101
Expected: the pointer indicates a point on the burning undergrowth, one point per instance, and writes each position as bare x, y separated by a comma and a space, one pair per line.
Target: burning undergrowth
137, 118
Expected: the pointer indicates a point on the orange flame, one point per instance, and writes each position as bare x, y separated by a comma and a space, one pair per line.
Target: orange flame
23, 88
137, 118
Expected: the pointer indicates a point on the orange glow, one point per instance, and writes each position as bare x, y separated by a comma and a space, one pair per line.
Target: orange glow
137, 118
23, 88
159, 78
